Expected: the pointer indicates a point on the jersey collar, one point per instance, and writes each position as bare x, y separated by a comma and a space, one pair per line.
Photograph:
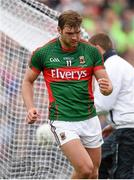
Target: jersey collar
66, 49
109, 53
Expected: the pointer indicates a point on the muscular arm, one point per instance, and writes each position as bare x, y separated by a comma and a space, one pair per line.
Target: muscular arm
104, 82
27, 93
27, 88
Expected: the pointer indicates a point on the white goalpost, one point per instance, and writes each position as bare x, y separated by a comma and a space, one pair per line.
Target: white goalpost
25, 25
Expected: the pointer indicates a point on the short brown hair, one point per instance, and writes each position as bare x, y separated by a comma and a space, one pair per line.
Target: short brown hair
102, 40
70, 18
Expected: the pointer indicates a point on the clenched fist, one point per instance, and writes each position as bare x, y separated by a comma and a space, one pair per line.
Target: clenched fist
32, 115
105, 86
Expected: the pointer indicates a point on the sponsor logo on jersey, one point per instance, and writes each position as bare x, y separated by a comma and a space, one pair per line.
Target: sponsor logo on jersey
76, 74
54, 59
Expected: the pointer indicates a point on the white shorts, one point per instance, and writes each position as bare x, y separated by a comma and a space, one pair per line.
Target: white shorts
88, 131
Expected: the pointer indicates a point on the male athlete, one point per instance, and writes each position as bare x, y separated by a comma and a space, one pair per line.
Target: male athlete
68, 64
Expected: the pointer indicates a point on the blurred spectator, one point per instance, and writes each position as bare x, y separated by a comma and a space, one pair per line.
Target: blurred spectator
128, 55
115, 17
75, 5
51, 3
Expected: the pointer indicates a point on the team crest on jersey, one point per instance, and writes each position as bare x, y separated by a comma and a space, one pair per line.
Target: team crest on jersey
63, 136
82, 60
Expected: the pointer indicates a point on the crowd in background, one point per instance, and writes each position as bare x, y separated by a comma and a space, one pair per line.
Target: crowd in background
116, 17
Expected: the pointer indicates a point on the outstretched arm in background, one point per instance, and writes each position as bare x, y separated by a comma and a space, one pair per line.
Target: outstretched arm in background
107, 130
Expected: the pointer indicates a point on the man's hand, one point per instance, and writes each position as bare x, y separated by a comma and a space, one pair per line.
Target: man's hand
107, 131
32, 115
105, 86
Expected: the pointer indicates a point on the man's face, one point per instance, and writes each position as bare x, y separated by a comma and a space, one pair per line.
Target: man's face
70, 36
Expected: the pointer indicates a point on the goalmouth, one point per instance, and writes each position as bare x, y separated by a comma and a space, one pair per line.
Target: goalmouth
25, 25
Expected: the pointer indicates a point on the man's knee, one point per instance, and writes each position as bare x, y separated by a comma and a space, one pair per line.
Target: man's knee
86, 171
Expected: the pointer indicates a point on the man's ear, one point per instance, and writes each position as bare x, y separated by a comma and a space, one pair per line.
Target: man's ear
59, 30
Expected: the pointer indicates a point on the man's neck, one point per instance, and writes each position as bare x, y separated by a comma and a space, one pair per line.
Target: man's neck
65, 46
109, 53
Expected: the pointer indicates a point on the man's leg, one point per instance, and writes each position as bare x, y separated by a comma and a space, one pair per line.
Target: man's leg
80, 159
95, 155
108, 150
124, 157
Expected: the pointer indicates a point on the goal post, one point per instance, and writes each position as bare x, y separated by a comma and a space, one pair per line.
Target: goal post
25, 25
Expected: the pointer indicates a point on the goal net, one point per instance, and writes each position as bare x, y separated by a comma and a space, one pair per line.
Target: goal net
24, 26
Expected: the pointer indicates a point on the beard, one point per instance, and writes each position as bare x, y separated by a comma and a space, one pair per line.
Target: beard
69, 43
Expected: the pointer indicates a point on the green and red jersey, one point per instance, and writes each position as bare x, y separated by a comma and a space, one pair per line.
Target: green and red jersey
68, 77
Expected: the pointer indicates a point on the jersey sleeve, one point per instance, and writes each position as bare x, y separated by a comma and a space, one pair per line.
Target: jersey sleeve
98, 60
36, 63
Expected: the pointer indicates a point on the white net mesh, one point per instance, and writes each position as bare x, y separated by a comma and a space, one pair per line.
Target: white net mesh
25, 25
